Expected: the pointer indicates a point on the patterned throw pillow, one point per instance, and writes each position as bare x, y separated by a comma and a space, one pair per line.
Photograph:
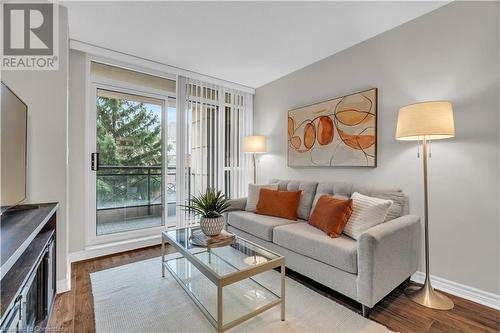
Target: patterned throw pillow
367, 212
253, 195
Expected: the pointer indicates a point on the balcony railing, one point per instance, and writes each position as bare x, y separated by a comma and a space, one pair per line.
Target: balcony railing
130, 197
133, 186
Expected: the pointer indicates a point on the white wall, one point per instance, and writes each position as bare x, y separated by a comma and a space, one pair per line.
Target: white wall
451, 53
76, 125
46, 94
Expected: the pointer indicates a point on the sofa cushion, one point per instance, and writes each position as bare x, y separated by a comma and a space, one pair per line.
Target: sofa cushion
338, 189
278, 203
282, 184
308, 189
309, 241
344, 189
398, 198
258, 225
367, 212
398, 202
331, 215
254, 193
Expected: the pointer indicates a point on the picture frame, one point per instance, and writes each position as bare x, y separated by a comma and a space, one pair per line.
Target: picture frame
339, 132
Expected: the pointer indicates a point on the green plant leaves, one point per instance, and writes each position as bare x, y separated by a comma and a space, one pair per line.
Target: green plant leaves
210, 204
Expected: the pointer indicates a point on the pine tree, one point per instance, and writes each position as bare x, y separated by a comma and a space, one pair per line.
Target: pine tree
127, 133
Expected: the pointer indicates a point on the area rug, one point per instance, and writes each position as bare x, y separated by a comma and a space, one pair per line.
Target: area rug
135, 298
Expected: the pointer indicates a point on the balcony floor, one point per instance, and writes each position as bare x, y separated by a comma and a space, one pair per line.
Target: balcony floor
129, 225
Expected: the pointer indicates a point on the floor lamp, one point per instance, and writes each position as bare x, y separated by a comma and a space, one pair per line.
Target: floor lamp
425, 122
254, 144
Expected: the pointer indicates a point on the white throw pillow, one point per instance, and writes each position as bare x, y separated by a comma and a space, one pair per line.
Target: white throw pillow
366, 213
253, 195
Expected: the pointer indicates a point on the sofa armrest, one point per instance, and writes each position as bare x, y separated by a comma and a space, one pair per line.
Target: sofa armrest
237, 204
387, 255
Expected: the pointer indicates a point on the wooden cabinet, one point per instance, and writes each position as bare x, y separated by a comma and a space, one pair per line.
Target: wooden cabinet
28, 263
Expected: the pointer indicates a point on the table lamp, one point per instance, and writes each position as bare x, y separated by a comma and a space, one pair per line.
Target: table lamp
425, 122
254, 144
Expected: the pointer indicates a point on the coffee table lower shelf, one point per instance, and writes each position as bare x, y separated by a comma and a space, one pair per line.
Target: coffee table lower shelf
225, 303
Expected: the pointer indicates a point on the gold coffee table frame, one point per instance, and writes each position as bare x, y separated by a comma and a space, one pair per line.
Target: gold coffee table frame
225, 280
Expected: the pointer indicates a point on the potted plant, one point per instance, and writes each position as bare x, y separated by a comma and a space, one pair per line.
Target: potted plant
209, 206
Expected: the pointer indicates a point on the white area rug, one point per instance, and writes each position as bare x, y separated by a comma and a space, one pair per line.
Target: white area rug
135, 298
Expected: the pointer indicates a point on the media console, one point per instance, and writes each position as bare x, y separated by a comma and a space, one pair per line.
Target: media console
28, 267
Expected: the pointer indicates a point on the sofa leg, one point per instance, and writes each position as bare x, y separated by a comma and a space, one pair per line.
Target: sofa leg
366, 311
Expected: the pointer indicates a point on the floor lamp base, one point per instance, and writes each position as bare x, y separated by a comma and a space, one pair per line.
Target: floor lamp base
426, 295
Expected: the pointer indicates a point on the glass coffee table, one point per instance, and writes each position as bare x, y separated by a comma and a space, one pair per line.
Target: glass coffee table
221, 281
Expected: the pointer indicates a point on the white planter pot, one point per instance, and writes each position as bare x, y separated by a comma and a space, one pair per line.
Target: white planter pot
212, 226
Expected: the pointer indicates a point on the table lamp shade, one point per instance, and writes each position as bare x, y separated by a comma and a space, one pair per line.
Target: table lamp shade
254, 144
434, 120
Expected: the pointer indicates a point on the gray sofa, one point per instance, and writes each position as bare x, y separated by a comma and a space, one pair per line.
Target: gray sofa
365, 270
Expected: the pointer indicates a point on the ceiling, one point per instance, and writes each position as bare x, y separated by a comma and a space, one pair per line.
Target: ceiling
249, 43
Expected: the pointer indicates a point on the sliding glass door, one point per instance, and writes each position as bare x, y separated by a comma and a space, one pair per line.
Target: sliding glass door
133, 155
128, 162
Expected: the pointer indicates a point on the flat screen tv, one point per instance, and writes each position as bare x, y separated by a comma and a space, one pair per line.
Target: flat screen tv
13, 149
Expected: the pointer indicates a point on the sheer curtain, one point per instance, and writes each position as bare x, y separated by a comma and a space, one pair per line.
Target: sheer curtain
214, 121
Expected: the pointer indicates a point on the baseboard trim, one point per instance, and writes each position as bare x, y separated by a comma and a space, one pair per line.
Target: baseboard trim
62, 286
95, 251
472, 294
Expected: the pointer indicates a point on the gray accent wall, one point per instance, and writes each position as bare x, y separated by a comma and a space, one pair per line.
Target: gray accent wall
451, 53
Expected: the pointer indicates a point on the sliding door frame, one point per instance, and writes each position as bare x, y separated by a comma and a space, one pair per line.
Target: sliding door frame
93, 84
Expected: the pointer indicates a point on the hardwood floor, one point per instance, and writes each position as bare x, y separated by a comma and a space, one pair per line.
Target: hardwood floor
73, 311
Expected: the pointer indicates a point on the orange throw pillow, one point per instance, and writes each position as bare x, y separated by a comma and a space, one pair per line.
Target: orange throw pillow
278, 203
331, 215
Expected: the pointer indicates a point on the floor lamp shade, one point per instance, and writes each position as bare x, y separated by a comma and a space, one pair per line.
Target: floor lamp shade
423, 122
432, 120
254, 144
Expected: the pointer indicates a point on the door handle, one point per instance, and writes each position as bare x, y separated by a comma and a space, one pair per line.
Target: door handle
94, 161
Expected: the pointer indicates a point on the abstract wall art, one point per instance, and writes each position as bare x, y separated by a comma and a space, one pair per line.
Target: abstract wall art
337, 132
